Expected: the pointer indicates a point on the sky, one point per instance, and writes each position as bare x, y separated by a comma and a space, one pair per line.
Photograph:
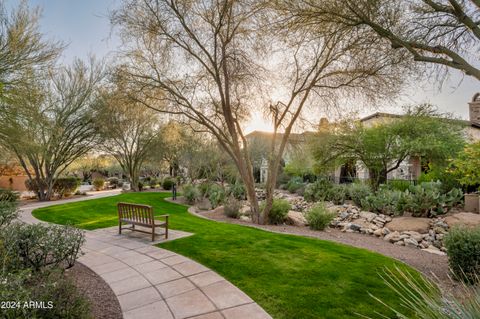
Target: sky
84, 26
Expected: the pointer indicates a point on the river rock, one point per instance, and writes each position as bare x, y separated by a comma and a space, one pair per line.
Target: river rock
410, 242
392, 237
369, 216
415, 235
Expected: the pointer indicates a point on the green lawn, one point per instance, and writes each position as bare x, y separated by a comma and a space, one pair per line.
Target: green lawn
291, 277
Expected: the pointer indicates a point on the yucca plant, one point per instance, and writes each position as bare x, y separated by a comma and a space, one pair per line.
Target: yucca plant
426, 300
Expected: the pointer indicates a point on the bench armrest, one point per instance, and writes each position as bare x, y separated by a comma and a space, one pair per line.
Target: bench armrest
165, 216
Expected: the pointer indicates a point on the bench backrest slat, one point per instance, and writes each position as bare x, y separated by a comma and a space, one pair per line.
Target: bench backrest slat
136, 212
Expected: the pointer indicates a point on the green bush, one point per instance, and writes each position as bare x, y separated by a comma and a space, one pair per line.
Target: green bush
153, 182
427, 199
463, 250
37, 246
422, 200
113, 182
190, 193
232, 207
167, 184
204, 187
98, 183
294, 184
8, 212
358, 191
279, 211
8, 195
66, 186
318, 191
51, 287
34, 185
237, 190
337, 194
216, 195
319, 217
399, 184
384, 201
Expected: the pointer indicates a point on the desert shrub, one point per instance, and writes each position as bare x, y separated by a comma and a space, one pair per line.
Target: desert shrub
427, 199
167, 184
232, 207
8, 212
237, 190
358, 191
317, 191
216, 195
294, 184
52, 287
98, 183
113, 182
279, 211
7, 195
384, 201
463, 250
38, 246
34, 185
66, 186
399, 184
191, 193
204, 187
424, 200
337, 194
319, 217
153, 182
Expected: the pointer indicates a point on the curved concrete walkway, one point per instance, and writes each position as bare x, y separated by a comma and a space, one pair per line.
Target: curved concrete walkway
151, 282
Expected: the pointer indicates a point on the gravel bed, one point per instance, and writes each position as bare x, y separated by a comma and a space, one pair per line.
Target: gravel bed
103, 302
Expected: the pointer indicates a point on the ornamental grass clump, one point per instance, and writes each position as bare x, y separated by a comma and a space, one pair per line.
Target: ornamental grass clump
423, 298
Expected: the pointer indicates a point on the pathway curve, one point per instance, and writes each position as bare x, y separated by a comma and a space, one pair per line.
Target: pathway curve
152, 282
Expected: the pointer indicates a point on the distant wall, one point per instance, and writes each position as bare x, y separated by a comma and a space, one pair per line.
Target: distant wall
16, 183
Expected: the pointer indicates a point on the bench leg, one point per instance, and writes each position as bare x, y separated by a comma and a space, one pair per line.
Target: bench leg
153, 233
166, 230
119, 228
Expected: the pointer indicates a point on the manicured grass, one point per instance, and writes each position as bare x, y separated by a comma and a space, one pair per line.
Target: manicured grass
291, 277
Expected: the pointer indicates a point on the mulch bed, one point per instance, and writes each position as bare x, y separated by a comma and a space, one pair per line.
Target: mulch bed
103, 302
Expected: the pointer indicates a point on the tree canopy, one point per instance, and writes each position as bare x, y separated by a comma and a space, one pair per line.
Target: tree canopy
381, 148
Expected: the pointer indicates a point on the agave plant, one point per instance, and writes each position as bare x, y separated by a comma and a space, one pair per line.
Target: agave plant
426, 300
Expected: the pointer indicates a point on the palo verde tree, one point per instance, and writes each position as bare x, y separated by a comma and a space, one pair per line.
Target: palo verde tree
444, 33
207, 63
128, 131
48, 123
22, 47
382, 148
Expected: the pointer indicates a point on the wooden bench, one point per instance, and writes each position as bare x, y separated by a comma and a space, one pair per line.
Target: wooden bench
140, 215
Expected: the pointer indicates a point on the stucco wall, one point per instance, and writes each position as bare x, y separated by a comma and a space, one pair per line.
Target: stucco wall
16, 183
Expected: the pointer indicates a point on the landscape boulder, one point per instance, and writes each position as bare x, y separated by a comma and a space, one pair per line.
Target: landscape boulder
416, 224
296, 218
467, 219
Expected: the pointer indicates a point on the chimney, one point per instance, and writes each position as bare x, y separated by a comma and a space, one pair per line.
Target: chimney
474, 108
